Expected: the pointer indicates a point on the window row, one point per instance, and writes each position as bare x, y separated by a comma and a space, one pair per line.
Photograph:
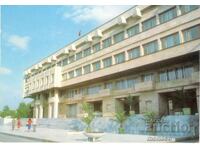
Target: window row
146, 25
43, 81
166, 75
177, 73
148, 48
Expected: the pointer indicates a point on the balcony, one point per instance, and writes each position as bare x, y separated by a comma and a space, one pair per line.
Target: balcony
123, 91
100, 94
195, 77
105, 92
179, 82
145, 86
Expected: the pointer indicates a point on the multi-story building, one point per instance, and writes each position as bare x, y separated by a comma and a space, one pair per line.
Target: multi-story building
148, 52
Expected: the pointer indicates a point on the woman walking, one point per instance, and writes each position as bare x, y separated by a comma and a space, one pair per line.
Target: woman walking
29, 124
18, 123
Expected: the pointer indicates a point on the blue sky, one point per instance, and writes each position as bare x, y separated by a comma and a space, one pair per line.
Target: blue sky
30, 33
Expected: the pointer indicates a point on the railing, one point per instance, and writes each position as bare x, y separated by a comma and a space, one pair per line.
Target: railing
145, 86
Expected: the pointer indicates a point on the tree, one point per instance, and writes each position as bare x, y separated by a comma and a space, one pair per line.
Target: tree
120, 118
23, 110
89, 115
7, 112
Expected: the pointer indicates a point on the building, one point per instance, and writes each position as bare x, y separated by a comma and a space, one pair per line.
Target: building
148, 52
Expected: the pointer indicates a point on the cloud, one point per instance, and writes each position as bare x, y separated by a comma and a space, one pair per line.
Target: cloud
20, 42
4, 71
99, 14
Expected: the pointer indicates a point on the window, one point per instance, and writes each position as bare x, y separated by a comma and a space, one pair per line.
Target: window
168, 15
96, 47
119, 37
119, 58
59, 63
133, 30
65, 62
150, 47
163, 76
96, 66
71, 59
87, 52
134, 53
70, 93
122, 84
148, 24
171, 40
188, 8
107, 62
131, 83
147, 77
71, 74
108, 86
179, 73
78, 72
93, 90
171, 75
191, 33
64, 76
107, 42
86, 69
188, 71
79, 55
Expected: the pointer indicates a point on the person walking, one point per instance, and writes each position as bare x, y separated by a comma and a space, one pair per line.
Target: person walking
34, 124
18, 123
13, 124
29, 124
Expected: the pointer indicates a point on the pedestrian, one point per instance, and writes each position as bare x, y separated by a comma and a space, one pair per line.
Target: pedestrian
34, 124
13, 124
29, 122
18, 123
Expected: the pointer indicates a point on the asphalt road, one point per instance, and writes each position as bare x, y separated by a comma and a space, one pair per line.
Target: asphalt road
10, 138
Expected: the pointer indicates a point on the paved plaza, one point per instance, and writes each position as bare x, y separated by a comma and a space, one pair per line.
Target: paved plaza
60, 135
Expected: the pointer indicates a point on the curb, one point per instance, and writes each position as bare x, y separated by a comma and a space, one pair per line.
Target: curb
31, 138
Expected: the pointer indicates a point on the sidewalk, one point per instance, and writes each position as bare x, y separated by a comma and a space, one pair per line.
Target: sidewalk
59, 135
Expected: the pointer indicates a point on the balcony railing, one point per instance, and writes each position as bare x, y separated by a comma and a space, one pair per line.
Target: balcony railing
145, 86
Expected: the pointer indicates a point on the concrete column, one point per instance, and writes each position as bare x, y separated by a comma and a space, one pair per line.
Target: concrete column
36, 111
113, 60
178, 10
157, 19
141, 50
181, 36
101, 64
126, 56
159, 44
49, 110
140, 27
41, 111
56, 100
125, 34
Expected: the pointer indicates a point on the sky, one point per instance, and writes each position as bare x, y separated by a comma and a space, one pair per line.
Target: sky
30, 33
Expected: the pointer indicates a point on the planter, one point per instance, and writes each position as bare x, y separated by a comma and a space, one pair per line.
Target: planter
132, 112
186, 111
93, 136
97, 114
121, 130
178, 113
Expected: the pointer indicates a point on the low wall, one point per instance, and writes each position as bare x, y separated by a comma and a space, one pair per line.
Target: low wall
176, 126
